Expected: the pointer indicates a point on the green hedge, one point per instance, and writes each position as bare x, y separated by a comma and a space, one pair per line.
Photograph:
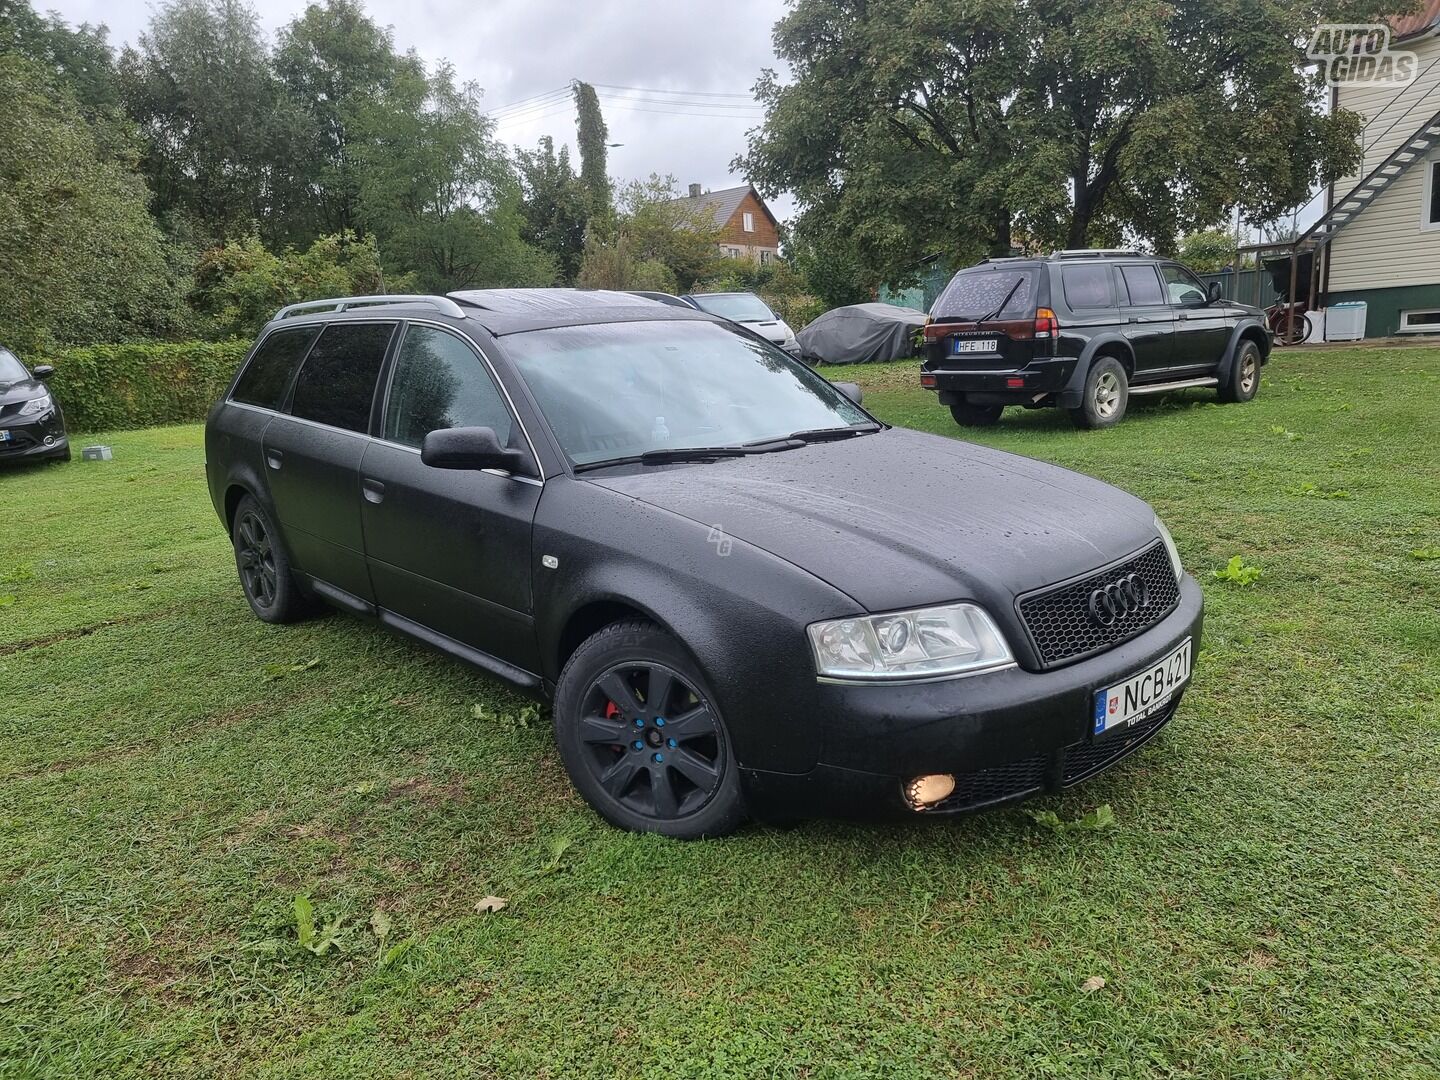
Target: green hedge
108, 387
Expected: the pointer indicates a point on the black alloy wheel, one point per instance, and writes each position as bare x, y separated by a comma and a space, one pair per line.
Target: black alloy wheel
641, 737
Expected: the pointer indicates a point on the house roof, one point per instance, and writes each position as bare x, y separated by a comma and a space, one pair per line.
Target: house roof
1423, 20
723, 204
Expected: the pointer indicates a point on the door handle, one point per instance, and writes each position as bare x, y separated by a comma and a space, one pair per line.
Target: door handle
274, 458
373, 490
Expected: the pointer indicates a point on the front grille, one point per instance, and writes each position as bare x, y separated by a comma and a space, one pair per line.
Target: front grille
1085, 759
987, 786
1058, 617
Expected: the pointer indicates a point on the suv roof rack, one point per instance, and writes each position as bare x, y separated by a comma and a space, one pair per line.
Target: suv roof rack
1099, 253
344, 303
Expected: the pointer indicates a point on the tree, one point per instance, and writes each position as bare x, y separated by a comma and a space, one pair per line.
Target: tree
593, 138
1208, 251
553, 206
240, 284
335, 66
201, 88
80, 257
80, 58
924, 125
439, 192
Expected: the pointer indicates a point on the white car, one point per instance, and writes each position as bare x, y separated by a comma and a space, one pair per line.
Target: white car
750, 311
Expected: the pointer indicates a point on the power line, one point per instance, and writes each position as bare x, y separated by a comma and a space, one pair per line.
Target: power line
533, 97
683, 93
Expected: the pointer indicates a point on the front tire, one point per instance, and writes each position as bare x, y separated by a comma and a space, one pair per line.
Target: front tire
1243, 382
642, 738
967, 415
1105, 397
264, 566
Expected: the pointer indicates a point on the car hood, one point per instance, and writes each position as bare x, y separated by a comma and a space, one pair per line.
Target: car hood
901, 519
772, 329
21, 390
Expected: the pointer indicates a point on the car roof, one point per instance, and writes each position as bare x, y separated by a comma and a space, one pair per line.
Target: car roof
515, 311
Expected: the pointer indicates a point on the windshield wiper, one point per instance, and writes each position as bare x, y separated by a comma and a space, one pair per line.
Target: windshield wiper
832, 433
712, 453
986, 318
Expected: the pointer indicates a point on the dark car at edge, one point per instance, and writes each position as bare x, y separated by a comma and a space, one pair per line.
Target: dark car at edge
1086, 331
32, 424
742, 595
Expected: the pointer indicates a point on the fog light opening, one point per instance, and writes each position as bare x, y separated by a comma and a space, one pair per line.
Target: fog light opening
925, 791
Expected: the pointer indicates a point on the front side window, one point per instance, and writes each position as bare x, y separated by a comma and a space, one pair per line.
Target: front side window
616, 390
440, 382
1088, 286
337, 383
1143, 284
987, 294
749, 220
1182, 286
270, 370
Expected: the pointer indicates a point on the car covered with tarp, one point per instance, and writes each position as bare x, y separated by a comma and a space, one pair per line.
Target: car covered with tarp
861, 334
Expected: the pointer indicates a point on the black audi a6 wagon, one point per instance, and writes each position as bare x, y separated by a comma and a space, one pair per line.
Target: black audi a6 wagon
742, 593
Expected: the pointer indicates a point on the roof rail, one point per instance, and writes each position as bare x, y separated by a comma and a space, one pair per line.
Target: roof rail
345, 303
1102, 253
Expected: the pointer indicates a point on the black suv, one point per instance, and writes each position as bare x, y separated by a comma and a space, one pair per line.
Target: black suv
32, 426
1085, 330
742, 593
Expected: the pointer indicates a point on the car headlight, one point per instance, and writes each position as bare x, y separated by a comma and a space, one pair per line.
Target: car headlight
41, 404
929, 643
1170, 548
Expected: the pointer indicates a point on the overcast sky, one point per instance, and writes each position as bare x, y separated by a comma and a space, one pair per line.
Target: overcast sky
520, 49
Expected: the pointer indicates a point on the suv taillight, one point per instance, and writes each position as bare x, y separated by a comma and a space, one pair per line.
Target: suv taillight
1046, 325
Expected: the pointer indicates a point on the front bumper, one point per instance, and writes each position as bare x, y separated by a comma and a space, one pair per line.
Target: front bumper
27, 440
1003, 735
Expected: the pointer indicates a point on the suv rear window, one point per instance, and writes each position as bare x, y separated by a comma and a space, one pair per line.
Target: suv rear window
1143, 284
975, 294
337, 383
265, 378
1088, 286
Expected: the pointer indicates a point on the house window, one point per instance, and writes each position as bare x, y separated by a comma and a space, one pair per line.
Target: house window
1431, 205
1420, 322
749, 220
765, 257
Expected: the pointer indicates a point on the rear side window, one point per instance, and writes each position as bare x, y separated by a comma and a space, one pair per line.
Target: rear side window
977, 294
337, 383
265, 378
440, 382
1088, 286
1143, 284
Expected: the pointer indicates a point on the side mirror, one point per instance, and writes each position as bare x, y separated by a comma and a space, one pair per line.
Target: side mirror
469, 448
851, 390
1212, 294
42, 371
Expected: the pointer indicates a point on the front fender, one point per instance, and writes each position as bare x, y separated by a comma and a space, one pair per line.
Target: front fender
1256, 329
739, 610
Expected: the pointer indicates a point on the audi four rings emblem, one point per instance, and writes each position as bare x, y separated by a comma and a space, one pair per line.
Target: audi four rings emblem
1119, 600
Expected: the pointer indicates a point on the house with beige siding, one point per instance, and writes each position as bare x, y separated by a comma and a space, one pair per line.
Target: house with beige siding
1382, 237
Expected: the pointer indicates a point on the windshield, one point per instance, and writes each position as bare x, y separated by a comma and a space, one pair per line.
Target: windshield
737, 307
975, 294
11, 370
617, 390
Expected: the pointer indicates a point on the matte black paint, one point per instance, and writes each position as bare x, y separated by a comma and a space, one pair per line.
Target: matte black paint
734, 557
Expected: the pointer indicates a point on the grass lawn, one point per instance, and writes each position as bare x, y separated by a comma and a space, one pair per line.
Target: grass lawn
174, 772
